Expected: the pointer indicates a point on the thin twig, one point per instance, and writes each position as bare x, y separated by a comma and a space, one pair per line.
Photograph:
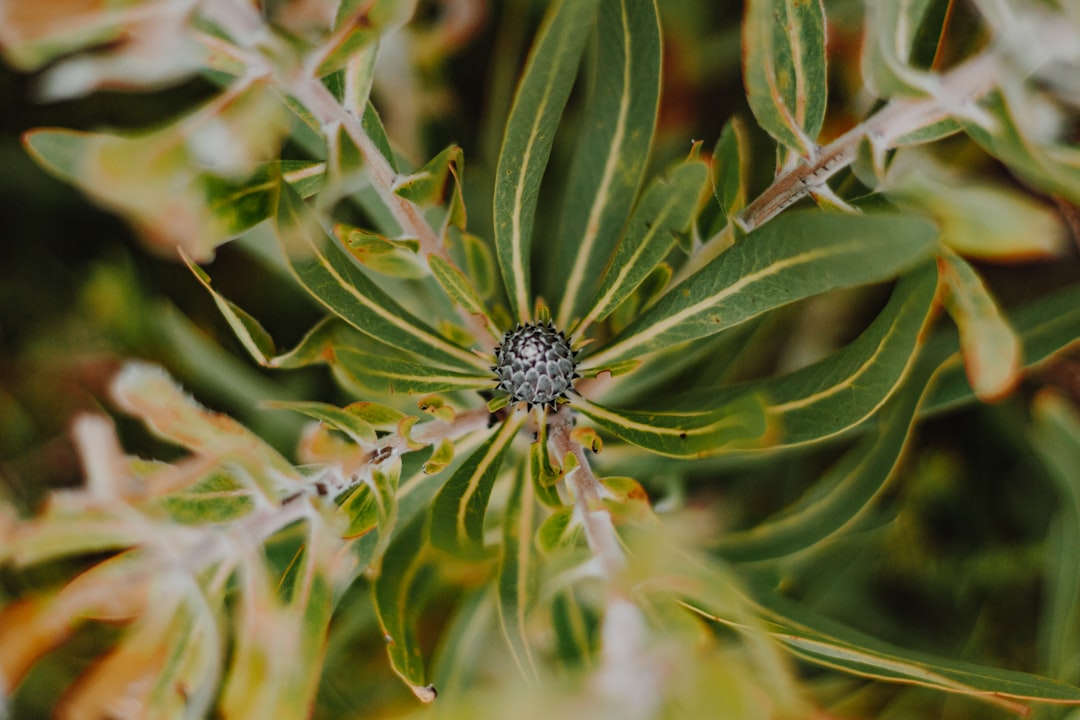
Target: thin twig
588, 494
958, 88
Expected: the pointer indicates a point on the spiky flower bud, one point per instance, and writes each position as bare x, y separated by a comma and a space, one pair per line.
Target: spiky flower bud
534, 364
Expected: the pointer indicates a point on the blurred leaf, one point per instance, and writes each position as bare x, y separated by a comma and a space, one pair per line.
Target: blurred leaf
388, 374
730, 166
784, 69
441, 457
170, 183
1056, 437
322, 266
900, 43
518, 573
148, 393
457, 514
797, 255
1052, 167
822, 642
397, 596
217, 499
281, 635
465, 646
666, 209
838, 496
978, 219
530, 131
992, 351
317, 346
608, 166
343, 419
1045, 326
358, 27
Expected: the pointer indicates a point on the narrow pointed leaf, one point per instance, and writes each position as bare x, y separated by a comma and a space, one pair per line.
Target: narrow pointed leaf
397, 593
992, 352
820, 641
837, 498
730, 167
667, 209
518, 573
457, 514
530, 131
388, 374
246, 328
323, 267
460, 289
1056, 438
784, 69
900, 44
740, 424
618, 123
795, 256
338, 418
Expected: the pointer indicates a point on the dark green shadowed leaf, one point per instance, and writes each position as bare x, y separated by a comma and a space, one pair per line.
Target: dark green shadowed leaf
729, 167
784, 69
1056, 437
795, 256
608, 166
530, 132
667, 208
518, 572
382, 373
822, 642
397, 594
838, 497
457, 514
324, 268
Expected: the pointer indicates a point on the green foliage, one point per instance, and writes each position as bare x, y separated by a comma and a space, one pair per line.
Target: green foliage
753, 441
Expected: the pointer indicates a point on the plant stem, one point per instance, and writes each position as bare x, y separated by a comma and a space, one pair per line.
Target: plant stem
588, 501
901, 116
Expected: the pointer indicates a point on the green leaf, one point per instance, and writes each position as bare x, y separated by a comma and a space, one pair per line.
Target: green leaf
784, 69
838, 497
317, 346
460, 289
518, 573
398, 258
358, 430
795, 256
427, 186
542, 474
457, 514
242, 205
217, 499
530, 131
608, 166
900, 44
992, 352
558, 530
323, 267
1052, 167
730, 166
739, 424
397, 593
246, 328
281, 636
382, 373
1056, 438
822, 642
667, 209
